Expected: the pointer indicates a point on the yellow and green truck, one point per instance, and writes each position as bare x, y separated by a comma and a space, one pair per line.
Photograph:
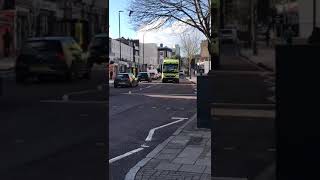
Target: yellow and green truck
170, 70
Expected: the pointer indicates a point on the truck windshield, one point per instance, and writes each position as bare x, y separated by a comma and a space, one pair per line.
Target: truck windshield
170, 68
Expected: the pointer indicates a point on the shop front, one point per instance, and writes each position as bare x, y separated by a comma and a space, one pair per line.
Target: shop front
7, 33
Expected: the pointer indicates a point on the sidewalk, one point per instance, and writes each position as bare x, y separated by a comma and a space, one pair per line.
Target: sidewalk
265, 58
184, 155
193, 79
266, 55
7, 63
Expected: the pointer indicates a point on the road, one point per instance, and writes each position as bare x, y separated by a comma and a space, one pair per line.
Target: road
131, 116
46, 138
57, 130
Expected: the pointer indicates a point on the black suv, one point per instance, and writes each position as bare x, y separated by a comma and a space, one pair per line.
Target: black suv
98, 49
144, 76
57, 56
125, 79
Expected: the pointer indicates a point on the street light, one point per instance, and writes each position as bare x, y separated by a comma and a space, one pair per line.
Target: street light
143, 50
120, 34
314, 13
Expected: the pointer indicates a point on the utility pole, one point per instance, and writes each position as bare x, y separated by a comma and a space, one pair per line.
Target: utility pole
314, 13
254, 26
143, 52
120, 34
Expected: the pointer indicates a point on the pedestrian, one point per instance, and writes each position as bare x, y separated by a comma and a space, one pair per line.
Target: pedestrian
111, 75
6, 43
288, 35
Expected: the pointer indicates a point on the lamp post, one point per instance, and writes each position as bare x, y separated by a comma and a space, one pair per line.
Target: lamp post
120, 34
314, 13
143, 51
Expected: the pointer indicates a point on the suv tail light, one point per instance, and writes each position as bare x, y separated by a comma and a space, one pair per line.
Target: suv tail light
60, 56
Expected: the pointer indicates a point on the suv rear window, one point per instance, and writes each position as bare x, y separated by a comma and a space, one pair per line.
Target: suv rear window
122, 76
143, 74
41, 46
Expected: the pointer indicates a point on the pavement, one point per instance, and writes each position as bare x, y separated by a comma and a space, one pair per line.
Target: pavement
184, 155
243, 114
265, 58
193, 79
266, 54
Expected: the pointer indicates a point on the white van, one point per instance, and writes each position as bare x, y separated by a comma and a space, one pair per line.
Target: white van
154, 73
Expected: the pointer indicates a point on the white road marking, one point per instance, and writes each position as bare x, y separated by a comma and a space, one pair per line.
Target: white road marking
172, 96
125, 155
154, 107
144, 146
151, 132
74, 102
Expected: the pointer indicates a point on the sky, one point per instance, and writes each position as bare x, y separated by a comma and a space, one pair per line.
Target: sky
167, 36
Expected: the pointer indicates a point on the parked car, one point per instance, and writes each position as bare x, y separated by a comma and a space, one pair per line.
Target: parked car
144, 76
228, 36
125, 80
181, 73
56, 56
98, 49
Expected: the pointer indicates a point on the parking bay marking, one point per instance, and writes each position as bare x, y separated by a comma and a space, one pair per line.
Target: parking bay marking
149, 138
151, 132
125, 155
74, 102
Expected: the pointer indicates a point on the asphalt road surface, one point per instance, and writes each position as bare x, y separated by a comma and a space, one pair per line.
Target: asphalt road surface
57, 130
44, 135
133, 112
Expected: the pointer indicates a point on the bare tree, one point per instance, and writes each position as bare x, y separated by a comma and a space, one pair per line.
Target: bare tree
190, 45
153, 14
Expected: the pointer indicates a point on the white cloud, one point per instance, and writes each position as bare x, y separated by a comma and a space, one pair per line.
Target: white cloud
168, 36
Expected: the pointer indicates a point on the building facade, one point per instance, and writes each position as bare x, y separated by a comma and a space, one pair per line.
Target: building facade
7, 27
163, 53
149, 55
81, 19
